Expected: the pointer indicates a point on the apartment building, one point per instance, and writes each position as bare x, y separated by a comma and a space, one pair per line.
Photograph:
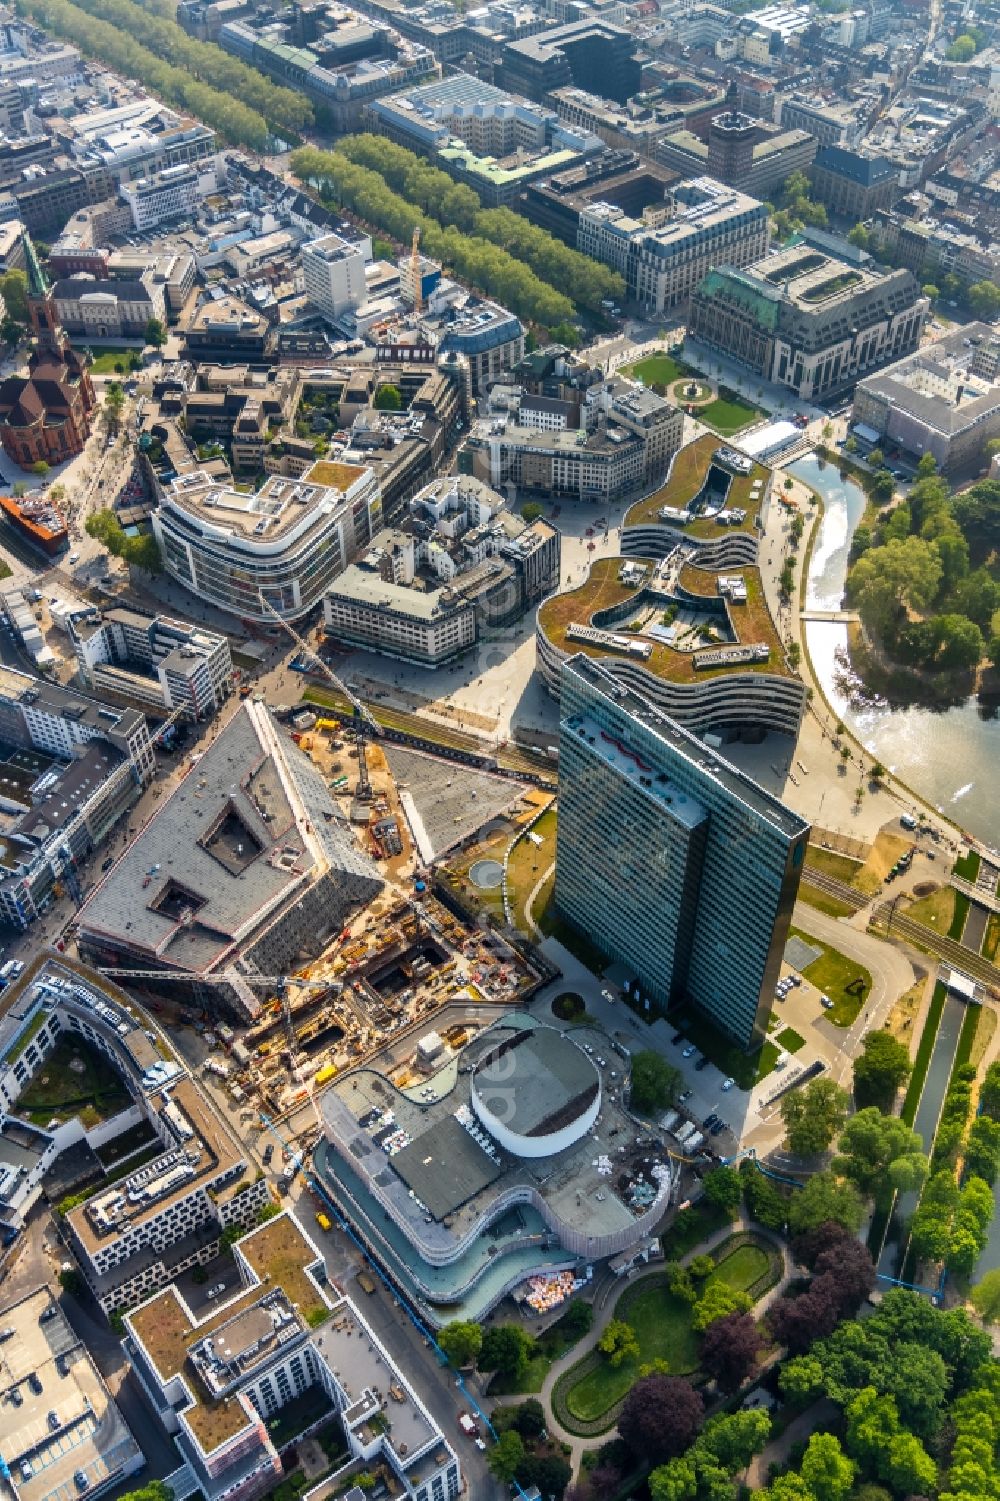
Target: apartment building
218, 1380
60, 721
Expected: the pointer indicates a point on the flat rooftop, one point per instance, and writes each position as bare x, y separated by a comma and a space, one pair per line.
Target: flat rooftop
712, 766
686, 810
65, 703
68, 1424
279, 507
534, 1078
445, 1167
364, 1114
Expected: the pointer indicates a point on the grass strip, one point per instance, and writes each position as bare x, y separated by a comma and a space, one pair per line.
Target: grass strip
962, 905
967, 865
925, 1048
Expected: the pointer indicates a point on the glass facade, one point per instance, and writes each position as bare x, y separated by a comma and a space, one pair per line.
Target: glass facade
670, 859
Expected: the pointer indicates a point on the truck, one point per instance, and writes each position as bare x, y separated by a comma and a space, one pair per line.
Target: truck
694, 1142
467, 1426
684, 1132
908, 821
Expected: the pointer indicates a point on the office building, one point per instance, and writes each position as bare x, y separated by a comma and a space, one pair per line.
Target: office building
219, 1380
671, 860
592, 53
943, 399
165, 663
664, 254
488, 139
486, 335
815, 317
91, 309
333, 270
174, 193
249, 856
62, 1430
681, 615
620, 178
752, 155
853, 185
270, 551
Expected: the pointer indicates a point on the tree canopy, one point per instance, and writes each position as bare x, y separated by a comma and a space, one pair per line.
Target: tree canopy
812, 1116
654, 1081
880, 1069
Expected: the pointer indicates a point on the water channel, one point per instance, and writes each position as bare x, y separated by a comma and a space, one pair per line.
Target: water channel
948, 755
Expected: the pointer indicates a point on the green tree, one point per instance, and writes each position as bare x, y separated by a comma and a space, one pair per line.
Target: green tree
826, 1469
801, 1378
812, 1116
461, 1342
986, 1297
927, 465
388, 398
723, 1188
654, 1081
506, 1350
983, 298
876, 458
153, 1490
871, 1144
40, 468
531, 510
824, 1197
156, 333
717, 1302
883, 1065
887, 579
114, 400
930, 291
14, 291
505, 1456
962, 50
734, 1438
619, 1343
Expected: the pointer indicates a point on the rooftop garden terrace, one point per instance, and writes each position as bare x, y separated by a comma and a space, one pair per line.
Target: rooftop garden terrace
688, 473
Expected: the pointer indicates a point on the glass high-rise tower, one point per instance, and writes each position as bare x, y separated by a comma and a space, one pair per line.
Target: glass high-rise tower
673, 861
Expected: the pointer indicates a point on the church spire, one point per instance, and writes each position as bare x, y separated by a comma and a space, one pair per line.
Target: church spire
37, 284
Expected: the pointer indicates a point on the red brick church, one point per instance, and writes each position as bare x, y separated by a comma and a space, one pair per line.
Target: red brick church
46, 414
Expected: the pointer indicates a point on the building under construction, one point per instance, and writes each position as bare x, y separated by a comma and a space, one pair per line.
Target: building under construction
247, 870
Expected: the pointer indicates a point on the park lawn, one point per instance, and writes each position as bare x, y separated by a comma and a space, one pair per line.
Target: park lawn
962, 905
728, 414
829, 863
657, 369
550, 1346
832, 973
527, 862
936, 911
790, 1040
967, 865
766, 1059
105, 361
663, 1327
823, 901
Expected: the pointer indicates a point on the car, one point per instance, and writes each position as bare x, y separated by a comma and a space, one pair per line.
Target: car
607, 995
826, 1003
710, 1120
719, 1127
688, 1050
268, 1153
26, 1470
702, 1063
74, 557
677, 1037
53, 1420
728, 1083
80, 1479
685, 1095
107, 864
213, 1292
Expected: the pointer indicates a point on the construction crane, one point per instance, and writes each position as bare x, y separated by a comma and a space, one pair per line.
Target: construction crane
418, 300
278, 984
360, 708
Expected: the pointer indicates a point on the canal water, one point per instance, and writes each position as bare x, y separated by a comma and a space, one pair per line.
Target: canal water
948, 755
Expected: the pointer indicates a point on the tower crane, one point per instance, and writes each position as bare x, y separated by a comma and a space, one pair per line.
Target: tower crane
360, 708
418, 300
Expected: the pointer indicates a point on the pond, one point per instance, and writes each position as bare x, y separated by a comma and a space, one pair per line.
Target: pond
946, 754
